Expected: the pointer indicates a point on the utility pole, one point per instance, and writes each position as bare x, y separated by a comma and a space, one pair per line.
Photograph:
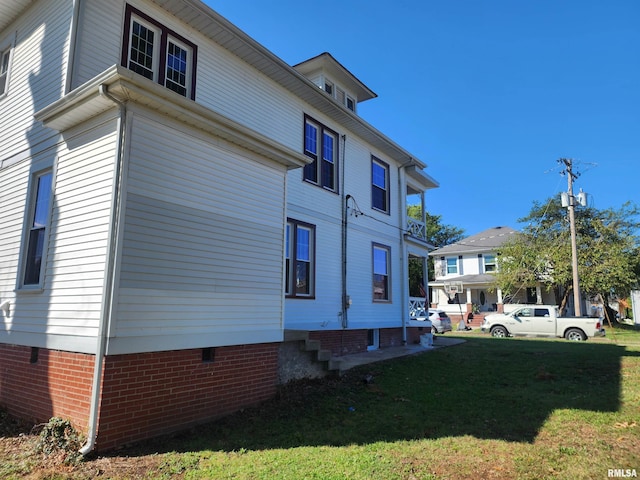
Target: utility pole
571, 203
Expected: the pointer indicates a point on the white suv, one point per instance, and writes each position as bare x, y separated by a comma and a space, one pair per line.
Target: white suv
440, 321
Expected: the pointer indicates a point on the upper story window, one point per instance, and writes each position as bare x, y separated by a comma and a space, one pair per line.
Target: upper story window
452, 265
159, 54
345, 99
321, 144
299, 259
38, 223
490, 263
379, 185
339, 94
381, 273
5, 55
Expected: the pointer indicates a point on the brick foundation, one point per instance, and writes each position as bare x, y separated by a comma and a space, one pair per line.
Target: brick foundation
347, 342
55, 384
143, 395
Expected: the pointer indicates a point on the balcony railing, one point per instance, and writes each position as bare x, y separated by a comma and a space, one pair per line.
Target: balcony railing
417, 229
417, 306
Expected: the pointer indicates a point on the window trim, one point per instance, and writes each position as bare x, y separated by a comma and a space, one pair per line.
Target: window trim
166, 35
387, 249
318, 156
386, 190
32, 199
291, 260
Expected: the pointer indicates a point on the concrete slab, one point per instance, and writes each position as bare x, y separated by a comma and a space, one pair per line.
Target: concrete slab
347, 362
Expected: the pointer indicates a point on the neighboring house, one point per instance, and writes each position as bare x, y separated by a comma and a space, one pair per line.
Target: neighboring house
174, 198
464, 276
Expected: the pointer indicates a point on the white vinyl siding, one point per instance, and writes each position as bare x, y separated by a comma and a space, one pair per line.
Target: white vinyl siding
310, 204
224, 84
65, 311
38, 66
99, 39
202, 256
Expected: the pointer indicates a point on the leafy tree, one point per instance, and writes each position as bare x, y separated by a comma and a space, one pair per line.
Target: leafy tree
438, 235
608, 252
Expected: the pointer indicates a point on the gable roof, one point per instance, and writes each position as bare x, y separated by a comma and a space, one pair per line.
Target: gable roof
484, 241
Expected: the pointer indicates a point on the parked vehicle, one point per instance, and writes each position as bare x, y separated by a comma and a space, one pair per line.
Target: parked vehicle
542, 321
440, 321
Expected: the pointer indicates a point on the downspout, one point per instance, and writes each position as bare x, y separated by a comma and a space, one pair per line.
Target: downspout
107, 299
404, 272
345, 200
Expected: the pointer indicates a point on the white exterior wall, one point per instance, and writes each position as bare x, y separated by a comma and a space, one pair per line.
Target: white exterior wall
65, 313
202, 250
312, 204
223, 83
470, 264
37, 73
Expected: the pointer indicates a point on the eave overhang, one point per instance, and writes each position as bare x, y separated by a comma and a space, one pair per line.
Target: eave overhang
87, 101
220, 30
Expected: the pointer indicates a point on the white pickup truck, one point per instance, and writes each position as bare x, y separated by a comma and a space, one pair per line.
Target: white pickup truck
542, 321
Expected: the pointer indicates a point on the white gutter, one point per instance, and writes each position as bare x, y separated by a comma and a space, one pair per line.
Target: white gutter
107, 299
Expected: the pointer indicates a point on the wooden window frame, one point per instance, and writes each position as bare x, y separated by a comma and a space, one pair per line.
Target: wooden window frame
375, 281
291, 259
167, 37
322, 172
385, 191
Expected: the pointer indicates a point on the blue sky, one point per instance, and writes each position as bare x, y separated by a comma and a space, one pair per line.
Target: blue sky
488, 93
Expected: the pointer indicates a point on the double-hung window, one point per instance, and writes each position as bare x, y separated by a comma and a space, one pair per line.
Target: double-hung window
452, 266
381, 273
300, 259
490, 263
159, 54
5, 55
379, 185
321, 144
37, 228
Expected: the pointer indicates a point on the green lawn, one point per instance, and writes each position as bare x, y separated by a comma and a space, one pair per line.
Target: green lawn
489, 408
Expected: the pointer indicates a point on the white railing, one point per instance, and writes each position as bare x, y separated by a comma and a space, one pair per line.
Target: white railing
417, 229
417, 305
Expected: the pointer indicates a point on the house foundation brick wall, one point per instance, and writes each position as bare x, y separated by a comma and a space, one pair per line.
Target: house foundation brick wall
150, 394
347, 342
341, 342
37, 384
143, 395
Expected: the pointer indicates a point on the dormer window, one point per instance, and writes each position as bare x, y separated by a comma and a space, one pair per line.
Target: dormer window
350, 104
328, 87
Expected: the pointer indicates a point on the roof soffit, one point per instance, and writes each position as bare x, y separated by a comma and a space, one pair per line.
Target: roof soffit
10, 10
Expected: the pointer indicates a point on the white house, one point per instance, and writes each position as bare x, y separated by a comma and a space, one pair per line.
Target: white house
174, 197
464, 276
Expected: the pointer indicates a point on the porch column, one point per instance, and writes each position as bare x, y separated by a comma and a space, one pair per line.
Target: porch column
539, 295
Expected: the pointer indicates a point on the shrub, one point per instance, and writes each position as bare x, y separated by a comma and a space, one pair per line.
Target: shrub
58, 437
